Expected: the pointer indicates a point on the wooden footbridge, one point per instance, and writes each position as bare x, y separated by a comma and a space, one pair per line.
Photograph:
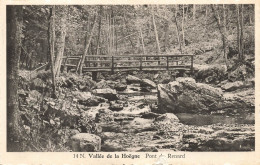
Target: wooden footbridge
114, 63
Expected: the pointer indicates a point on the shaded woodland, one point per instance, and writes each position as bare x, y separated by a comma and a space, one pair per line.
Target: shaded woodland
39, 37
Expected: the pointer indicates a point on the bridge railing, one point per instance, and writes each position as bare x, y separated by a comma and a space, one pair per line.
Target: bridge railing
132, 62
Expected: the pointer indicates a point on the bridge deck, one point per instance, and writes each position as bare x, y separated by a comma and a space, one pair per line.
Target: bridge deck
108, 63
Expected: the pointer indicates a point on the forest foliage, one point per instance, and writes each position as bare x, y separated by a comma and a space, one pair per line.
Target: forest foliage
137, 29
42, 35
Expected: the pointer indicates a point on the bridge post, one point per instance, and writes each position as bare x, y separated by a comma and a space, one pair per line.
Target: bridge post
112, 67
191, 66
94, 76
167, 57
141, 63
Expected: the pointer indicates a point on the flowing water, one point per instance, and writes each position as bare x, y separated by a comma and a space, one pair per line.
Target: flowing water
200, 120
134, 132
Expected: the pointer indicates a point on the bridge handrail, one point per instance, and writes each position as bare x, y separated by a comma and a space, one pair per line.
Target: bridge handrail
140, 59
133, 55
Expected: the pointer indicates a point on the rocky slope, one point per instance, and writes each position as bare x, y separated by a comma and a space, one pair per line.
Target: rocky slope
122, 115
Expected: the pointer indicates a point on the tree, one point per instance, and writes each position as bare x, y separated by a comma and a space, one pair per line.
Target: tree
194, 12
61, 40
155, 33
220, 28
14, 32
177, 27
142, 40
241, 33
182, 25
99, 30
88, 41
240, 24
51, 40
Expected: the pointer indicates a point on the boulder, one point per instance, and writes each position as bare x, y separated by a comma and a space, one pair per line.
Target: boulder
185, 95
150, 115
83, 96
105, 84
212, 74
116, 106
85, 142
148, 149
147, 83
92, 101
33, 98
104, 115
232, 86
132, 79
106, 93
167, 118
120, 87
145, 89
38, 84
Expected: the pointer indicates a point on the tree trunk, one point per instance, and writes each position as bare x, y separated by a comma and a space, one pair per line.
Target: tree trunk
155, 32
182, 26
241, 32
206, 18
113, 31
87, 46
217, 18
99, 30
107, 34
142, 40
61, 43
14, 30
224, 19
51, 39
127, 33
177, 28
194, 12
238, 32
166, 36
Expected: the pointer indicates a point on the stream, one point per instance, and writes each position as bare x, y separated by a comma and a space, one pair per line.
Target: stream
131, 131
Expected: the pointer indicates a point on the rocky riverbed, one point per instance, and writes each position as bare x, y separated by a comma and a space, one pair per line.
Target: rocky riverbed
130, 113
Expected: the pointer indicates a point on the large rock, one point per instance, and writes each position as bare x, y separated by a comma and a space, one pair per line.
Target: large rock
147, 83
148, 149
116, 106
38, 84
167, 118
132, 79
85, 142
107, 93
210, 73
81, 95
105, 84
92, 101
34, 97
120, 87
104, 115
232, 86
185, 95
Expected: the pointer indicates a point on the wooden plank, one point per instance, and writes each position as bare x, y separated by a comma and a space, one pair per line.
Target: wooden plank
71, 65
139, 55
98, 61
132, 69
72, 57
125, 67
97, 68
126, 61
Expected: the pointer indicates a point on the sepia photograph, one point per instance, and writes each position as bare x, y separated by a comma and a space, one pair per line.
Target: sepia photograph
148, 83
135, 78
